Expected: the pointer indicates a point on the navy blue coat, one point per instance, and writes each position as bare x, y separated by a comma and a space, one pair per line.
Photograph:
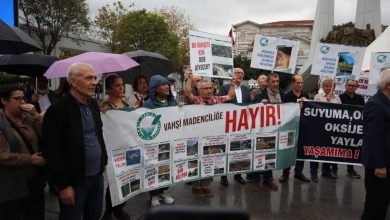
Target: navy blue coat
376, 132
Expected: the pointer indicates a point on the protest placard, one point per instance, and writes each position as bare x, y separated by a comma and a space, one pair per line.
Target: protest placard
275, 54
211, 55
335, 60
331, 133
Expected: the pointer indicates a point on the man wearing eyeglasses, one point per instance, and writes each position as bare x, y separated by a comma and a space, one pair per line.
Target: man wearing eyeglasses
350, 97
205, 89
242, 96
75, 151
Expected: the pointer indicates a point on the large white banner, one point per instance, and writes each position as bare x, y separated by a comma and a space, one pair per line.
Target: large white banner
334, 60
275, 54
149, 149
211, 55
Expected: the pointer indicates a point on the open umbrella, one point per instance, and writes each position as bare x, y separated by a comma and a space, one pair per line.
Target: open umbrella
149, 64
26, 64
101, 62
15, 41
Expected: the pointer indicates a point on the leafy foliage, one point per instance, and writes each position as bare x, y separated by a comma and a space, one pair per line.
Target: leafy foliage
141, 30
180, 24
49, 20
107, 20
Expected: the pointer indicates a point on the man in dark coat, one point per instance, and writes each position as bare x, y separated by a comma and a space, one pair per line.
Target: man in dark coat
376, 150
75, 151
350, 97
242, 96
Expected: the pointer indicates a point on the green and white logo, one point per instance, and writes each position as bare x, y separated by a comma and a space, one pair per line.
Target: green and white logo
263, 41
381, 58
148, 125
324, 49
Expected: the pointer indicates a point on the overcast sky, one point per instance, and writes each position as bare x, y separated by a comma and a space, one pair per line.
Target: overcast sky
217, 16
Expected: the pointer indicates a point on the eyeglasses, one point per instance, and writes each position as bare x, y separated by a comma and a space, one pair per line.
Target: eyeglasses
19, 98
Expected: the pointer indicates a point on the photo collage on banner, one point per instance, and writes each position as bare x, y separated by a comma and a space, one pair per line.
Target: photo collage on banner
211, 55
127, 169
240, 153
213, 151
275, 54
185, 160
157, 165
265, 151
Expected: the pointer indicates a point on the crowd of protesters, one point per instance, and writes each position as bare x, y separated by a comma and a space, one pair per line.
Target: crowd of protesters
57, 137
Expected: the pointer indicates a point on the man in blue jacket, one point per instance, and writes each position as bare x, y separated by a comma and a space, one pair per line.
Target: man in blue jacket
376, 150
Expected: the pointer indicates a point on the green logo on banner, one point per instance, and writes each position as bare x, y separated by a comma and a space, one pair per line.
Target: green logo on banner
381, 58
324, 49
148, 125
263, 42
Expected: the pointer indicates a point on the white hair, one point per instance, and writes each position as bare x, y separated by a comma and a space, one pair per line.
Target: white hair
326, 80
384, 78
202, 83
74, 69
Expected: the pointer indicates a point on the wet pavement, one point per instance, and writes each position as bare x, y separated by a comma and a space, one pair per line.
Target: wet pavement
294, 199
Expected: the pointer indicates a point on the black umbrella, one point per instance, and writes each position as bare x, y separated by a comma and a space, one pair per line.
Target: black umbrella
26, 64
149, 64
15, 41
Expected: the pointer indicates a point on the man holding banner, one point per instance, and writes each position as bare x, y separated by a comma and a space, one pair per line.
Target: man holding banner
293, 96
350, 97
242, 95
200, 188
270, 95
376, 150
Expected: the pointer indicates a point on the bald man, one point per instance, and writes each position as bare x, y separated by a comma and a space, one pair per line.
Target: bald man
242, 95
295, 94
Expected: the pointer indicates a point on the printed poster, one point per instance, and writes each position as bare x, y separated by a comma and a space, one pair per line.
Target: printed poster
275, 54
335, 60
211, 55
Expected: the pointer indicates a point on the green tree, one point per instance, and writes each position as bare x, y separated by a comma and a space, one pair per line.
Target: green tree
180, 24
141, 30
107, 20
245, 63
49, 20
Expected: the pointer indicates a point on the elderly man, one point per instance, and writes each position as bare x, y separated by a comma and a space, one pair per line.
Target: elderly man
75, 153
376, 150
242, 96
351, 98
272, 94
328, 170
205, 89
293, 96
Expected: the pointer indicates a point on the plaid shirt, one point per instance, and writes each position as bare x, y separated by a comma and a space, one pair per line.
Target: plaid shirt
213, 100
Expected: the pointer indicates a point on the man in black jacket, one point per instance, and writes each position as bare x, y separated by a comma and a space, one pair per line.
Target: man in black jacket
293, 96
376, 150
272, 94
350, 97
242, 95
75, 151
